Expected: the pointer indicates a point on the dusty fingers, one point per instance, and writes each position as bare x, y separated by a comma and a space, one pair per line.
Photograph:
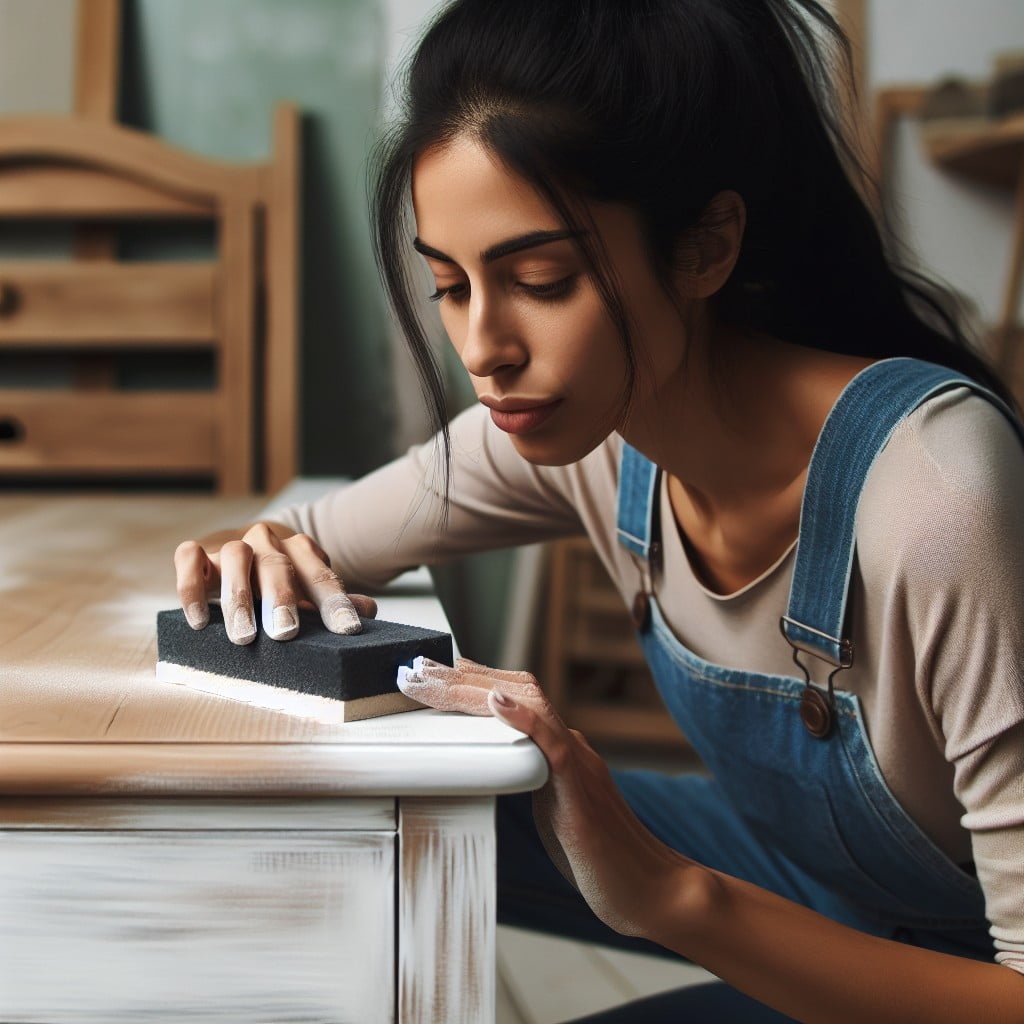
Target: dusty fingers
323, 585
195, 573
276, 578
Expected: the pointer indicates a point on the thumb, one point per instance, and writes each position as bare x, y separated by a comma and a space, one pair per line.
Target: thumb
504, 707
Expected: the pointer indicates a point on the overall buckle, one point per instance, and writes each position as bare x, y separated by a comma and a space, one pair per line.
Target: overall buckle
817, 707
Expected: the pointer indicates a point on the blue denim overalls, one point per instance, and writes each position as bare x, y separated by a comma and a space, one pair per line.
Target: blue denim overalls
795, 801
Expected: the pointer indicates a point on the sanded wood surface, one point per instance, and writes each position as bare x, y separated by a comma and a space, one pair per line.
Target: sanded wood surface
81, 711
167, 854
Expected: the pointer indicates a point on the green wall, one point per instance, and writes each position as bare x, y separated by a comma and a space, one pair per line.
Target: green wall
205, 75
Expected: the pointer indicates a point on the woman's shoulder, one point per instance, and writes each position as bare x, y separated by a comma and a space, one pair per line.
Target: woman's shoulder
948, 485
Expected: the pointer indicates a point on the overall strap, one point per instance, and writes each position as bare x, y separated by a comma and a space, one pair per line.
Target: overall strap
636, 500
858, 427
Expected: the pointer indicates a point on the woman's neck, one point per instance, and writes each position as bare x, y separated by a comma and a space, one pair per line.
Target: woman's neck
740, 447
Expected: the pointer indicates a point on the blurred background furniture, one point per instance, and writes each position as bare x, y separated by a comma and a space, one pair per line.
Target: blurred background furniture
985, 149
594, 671
241, 306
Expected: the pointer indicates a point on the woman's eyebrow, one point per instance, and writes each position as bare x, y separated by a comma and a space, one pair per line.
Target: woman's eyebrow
509, 245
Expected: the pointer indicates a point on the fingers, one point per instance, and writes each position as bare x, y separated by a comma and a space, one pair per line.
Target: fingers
445, 695
323, 585
468, 686
275, 575
194, 575
538, 719
236, 591
366, 606
496, 673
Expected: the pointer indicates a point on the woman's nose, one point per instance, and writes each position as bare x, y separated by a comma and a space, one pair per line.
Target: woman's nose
491, 345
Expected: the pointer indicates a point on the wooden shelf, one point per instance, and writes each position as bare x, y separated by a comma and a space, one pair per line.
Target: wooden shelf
984, 150
595, 672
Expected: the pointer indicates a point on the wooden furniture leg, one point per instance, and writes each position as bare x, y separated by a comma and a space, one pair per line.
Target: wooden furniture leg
447, 880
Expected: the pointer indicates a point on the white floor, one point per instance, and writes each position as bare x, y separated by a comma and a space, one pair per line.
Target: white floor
543, 979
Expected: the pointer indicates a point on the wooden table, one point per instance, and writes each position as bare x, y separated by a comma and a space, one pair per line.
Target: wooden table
171, 855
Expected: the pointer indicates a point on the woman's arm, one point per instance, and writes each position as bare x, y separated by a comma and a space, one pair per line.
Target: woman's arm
776, 951
808, 966
389, 520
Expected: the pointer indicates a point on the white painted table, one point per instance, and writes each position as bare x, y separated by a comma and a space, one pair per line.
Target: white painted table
170, 855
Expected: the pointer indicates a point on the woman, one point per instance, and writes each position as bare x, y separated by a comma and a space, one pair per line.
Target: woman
689, 343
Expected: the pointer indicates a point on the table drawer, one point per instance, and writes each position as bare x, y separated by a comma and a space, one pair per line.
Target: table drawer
242, 926
194, 813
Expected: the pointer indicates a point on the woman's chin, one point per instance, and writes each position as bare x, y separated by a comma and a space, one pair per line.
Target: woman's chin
550, 451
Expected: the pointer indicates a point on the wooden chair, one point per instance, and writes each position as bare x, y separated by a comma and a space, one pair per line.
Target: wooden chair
240, 305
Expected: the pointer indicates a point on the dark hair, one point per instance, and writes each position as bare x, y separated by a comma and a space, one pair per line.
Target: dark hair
659, 105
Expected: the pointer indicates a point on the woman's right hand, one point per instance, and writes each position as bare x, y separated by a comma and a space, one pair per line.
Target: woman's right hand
290, 572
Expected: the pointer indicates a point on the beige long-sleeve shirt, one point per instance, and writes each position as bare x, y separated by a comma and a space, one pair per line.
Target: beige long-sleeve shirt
936, 599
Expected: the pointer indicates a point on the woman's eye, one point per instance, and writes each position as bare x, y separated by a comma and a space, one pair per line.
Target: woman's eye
452, 290
553, 290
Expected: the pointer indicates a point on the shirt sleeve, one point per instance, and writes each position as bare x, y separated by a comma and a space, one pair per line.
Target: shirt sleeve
390, 520
963, 563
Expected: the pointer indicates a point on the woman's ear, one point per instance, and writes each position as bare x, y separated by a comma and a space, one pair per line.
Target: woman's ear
715, 246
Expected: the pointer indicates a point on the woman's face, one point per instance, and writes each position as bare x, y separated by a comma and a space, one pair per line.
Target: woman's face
526, 320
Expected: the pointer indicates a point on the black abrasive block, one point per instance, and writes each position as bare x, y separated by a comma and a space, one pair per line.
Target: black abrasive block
319, 674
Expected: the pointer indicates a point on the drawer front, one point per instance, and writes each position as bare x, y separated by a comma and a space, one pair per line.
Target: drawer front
197, 926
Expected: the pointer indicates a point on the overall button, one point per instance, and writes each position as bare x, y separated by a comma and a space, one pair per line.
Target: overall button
815, 713
641, 610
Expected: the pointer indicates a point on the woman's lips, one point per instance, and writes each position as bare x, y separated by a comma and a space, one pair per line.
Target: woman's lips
524, 420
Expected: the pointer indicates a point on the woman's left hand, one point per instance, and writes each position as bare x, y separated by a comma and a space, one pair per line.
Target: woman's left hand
626, 874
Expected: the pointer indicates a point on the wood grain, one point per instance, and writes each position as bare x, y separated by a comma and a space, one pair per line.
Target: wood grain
61, 191
101, 432
282, 254
134, 305
81, 711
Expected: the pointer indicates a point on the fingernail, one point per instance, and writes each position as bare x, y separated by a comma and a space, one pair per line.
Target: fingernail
407, 676
284, 624
421, 664
341, 615
500, 698
346, 622
243, 625
197, 616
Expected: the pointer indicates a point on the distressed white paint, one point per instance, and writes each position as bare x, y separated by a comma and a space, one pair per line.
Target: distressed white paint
191, 813
446, 911
209, 926
170, 855
271, 769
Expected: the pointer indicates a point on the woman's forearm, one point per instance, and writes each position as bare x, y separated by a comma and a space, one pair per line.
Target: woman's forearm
809, 967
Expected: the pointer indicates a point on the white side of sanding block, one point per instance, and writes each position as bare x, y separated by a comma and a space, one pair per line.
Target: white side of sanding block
277, 698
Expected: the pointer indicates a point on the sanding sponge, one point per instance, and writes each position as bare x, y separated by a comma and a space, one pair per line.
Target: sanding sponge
318, 674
